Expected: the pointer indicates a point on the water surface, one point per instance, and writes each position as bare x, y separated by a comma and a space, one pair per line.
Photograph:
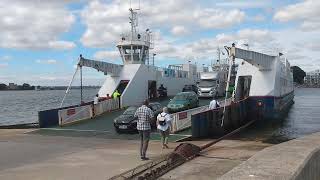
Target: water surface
302, 119
18, 107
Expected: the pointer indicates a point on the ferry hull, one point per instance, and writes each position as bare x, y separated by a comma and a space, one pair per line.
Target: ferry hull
270, 107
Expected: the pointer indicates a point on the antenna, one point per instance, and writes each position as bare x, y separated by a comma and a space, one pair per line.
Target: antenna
136, 8
133, 19
218, 56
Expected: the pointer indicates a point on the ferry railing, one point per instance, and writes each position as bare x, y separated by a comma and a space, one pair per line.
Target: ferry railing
76, 113
208, 123
182, 120
105, 106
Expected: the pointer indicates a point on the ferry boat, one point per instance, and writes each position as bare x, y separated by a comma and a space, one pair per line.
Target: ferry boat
137, 79
266, 80
213, 82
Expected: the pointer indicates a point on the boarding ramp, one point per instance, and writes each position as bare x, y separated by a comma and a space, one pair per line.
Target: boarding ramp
261, 61
107, 68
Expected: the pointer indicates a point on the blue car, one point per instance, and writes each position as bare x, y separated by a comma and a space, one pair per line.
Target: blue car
183, 101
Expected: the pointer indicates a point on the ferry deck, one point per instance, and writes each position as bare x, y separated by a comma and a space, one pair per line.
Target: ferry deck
102, 127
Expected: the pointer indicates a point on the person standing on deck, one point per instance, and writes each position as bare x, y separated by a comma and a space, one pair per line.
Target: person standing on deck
95, 102
96, 99
163, 125
106, 98
116, 94
144, 115
214, 104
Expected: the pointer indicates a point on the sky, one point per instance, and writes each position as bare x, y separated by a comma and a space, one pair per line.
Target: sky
40, 41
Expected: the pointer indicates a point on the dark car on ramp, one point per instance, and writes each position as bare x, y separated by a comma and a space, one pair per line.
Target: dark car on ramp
128, 123
189, 88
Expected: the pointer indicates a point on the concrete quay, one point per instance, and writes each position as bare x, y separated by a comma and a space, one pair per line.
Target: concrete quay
26, 155
38, 157
216, 160
298, 159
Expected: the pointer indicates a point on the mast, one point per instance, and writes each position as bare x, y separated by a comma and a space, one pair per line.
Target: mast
133, 22
134, 47
218, 51
231, 62
81, 85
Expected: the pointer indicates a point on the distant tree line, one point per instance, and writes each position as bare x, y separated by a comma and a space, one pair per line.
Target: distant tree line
298, 74
24, 86
3, 86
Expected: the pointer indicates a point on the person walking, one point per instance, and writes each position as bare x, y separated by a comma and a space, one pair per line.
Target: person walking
163, 125
144, 115
214, 104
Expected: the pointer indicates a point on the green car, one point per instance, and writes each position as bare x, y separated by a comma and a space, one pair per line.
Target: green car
183, 101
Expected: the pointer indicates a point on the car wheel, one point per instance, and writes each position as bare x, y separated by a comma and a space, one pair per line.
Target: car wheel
118, 131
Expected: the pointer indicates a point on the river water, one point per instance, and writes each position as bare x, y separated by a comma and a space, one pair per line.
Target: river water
17, 107
302, 119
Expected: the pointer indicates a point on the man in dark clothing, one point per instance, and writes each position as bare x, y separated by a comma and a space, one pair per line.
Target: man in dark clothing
162, 91
144, 115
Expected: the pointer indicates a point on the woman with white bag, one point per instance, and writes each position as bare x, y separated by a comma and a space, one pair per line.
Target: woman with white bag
163, 125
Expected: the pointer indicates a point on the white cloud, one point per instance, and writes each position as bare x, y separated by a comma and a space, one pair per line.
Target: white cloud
302, 10
106, 22
179, 30
306, 12
206, 48
218, 19
48, 61
34, 24
107, 55
255, 35
4, 65
299, 50
244, 4
248, 36
6, 58
61, 45
49, 78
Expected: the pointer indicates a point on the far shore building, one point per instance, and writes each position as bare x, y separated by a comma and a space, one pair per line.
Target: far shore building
312, 78
12, 86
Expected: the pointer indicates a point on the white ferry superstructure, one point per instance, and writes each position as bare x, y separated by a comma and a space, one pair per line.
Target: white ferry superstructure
266, 80
137, 79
